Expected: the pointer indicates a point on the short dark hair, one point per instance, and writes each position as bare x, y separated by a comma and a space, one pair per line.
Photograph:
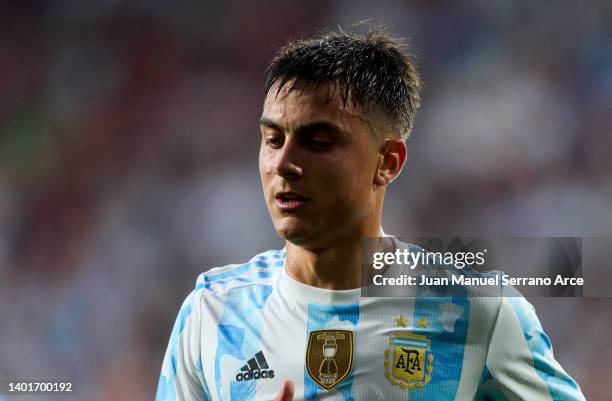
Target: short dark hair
376, 71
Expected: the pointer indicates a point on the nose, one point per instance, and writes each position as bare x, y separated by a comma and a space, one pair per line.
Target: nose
286, 163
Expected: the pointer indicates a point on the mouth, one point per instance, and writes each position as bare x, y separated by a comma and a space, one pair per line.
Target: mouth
290, 200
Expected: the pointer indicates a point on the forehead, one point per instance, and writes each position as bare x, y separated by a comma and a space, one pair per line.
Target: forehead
297, 106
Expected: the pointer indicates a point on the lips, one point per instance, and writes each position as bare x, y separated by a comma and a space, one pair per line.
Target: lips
290, 200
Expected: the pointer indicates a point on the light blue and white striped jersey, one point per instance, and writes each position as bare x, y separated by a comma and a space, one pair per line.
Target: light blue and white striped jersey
245, 328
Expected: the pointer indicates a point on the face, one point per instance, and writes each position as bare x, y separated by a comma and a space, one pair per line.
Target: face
317, 161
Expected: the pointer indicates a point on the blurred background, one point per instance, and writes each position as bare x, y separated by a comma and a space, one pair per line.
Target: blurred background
128, 161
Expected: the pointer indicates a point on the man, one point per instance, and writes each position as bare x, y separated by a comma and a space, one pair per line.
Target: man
291, 324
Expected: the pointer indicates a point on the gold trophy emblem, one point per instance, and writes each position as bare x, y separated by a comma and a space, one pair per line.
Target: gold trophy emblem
328, 371
329, 357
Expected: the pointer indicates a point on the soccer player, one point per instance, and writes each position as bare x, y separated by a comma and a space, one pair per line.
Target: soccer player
290, 324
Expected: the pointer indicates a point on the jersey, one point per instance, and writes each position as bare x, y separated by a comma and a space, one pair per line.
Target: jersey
245, 328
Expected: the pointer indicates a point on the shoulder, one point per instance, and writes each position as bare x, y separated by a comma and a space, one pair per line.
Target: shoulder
259, 270
516, 307
253, 280
215, 285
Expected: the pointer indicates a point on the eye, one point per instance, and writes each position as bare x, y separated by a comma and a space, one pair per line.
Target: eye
274, 141
320, 144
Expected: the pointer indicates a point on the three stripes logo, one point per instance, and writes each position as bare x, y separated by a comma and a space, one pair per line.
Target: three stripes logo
255, 369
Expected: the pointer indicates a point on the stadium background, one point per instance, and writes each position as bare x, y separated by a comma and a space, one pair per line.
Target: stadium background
128, 161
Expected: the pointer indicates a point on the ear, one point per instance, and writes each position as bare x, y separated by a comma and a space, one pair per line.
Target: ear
391, 161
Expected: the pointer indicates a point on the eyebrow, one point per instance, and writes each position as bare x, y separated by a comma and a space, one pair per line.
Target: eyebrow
306, 128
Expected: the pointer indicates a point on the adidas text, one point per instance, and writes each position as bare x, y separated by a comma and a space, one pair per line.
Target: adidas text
255, 375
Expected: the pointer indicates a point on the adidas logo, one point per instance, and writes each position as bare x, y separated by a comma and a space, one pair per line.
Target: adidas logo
255, 369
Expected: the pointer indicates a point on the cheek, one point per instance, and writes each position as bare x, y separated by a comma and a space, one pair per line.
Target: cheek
264, 164
265, 181
348, 182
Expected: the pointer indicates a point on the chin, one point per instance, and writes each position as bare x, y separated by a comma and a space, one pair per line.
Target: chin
294, 231
293, 234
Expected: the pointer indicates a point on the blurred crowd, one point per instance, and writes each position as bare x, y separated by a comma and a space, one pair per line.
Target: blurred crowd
128, 161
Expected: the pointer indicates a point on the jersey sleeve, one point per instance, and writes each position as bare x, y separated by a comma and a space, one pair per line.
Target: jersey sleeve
182, 378
520, 363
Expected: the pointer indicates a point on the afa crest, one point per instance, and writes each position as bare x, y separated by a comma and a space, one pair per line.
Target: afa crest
408, 361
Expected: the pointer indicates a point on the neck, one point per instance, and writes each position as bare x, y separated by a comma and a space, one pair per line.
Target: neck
336, 267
